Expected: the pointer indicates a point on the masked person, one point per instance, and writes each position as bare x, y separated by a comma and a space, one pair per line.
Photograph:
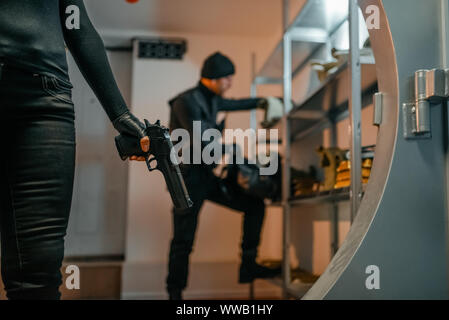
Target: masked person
202, 104
38, 136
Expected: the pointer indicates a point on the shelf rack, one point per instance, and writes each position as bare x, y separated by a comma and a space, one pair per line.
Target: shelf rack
331, 196
342, 95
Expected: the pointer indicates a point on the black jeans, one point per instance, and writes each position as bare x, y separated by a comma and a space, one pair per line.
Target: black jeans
37, 136
203, 185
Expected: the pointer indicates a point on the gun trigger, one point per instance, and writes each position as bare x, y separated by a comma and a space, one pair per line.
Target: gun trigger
149, 162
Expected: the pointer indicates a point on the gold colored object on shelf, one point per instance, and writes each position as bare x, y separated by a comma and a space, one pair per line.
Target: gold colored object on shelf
331, 158
305, 188
322, 69
326, 68
347, 183
296, 273
304, 276
344, 173
367, 163
304, 183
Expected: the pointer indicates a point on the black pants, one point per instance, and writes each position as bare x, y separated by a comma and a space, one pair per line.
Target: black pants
203, 185
37, 137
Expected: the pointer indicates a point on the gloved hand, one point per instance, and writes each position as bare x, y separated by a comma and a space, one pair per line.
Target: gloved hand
128, 124
274, 111
262, 104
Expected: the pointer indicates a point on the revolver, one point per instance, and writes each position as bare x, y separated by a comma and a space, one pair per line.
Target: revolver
161, 152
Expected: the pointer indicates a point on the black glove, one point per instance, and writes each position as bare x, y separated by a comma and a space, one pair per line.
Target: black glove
127, 124
262, 104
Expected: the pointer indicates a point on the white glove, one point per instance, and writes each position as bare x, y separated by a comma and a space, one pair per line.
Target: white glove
274, 111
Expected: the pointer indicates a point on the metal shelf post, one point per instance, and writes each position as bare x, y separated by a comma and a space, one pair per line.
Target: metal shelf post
291, 38
253, 115
287, 91
355, 108
287, 87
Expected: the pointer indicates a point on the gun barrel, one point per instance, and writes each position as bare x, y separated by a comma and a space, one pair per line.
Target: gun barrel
175, 184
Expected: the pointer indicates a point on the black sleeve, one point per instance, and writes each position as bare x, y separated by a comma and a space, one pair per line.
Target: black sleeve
187, 112
89, 52
238, 105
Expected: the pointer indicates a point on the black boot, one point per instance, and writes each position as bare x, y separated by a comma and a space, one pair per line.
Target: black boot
250, 270
175, 295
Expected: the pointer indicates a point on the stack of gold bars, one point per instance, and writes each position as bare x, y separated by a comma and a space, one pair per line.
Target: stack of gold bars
304, 183
330, 160
297, 274
337, 167
344, 173
336, 172
343, 179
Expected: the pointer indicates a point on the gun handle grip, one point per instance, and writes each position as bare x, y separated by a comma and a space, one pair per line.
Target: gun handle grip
128, 146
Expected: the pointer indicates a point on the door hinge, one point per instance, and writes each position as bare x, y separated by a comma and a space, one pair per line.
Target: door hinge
431, 87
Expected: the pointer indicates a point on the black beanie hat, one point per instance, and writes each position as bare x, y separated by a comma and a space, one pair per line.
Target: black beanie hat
217, 66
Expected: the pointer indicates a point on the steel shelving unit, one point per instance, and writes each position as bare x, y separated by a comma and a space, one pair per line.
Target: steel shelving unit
311, 34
